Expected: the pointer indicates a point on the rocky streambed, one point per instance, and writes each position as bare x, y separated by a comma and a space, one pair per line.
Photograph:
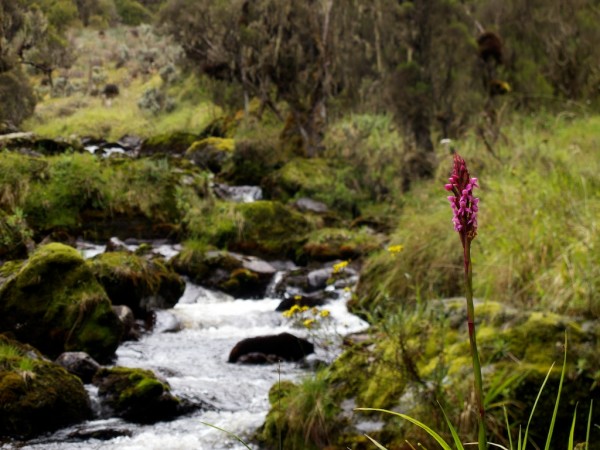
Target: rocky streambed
188, 348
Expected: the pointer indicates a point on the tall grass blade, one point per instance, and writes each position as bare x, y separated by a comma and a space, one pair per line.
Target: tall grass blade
457, 441
421, 425
510, 442
236, 437
560, 385
533, 409
587, 434
377, 444
572, 433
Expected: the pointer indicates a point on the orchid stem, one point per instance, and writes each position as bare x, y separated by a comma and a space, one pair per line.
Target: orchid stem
473, 342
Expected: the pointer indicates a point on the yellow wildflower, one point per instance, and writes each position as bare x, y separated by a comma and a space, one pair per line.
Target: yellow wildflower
308, 323
395, 249
303, 309
340, 266
297, 297
325, 313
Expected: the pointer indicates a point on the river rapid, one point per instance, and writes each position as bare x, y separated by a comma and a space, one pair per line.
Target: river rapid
189, 347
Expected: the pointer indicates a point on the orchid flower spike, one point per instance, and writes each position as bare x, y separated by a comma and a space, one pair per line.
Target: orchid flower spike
464, 205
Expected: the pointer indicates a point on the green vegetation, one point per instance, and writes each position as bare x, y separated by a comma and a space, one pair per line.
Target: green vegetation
314, 102
36, 395
54, 302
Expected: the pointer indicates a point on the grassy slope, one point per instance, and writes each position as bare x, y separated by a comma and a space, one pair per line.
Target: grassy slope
81, 114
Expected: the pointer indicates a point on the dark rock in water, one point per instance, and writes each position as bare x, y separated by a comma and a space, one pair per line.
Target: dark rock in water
142, 283
102, 434
310, 205
54, 302
36, 395
309, 300
285, 346
136, 395
258, 358
79, 364
131, 331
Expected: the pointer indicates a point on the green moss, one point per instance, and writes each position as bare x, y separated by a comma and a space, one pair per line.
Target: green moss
270, 228
211, 153
316, 178
140, 282
55, 303
168, 143
327, 244
135, 394
36, 395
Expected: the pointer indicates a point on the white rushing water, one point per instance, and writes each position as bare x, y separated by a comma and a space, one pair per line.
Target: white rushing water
194, 362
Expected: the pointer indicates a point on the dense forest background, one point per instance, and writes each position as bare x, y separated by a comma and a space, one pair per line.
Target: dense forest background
440, 66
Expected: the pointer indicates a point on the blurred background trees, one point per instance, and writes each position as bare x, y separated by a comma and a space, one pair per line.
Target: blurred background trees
441, 67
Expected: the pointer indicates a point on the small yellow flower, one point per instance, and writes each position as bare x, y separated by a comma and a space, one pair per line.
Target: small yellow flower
340, 266
325, 313
395, 249
287, 314
304, 309
347, 289
314, 310
297, 297
308, 323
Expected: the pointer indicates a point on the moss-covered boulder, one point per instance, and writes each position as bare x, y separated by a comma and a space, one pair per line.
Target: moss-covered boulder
262, 228
143, 283
316, 178
211, 153
36, 396
328, 244
136, 395
238, 275
175, 143
269, 228
54, 302
253, 159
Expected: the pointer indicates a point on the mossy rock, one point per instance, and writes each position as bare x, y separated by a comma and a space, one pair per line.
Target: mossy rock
269, 228
136, 395
425, 354
316, 178
54, 302
144, 283
175, 143
211, 153
329, 244
222, 127
235, 274
36, 395
252, 161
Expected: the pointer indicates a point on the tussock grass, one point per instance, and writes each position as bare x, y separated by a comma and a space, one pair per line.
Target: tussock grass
538, 240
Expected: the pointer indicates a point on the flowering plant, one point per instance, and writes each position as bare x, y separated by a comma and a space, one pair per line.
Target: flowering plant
465, 207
